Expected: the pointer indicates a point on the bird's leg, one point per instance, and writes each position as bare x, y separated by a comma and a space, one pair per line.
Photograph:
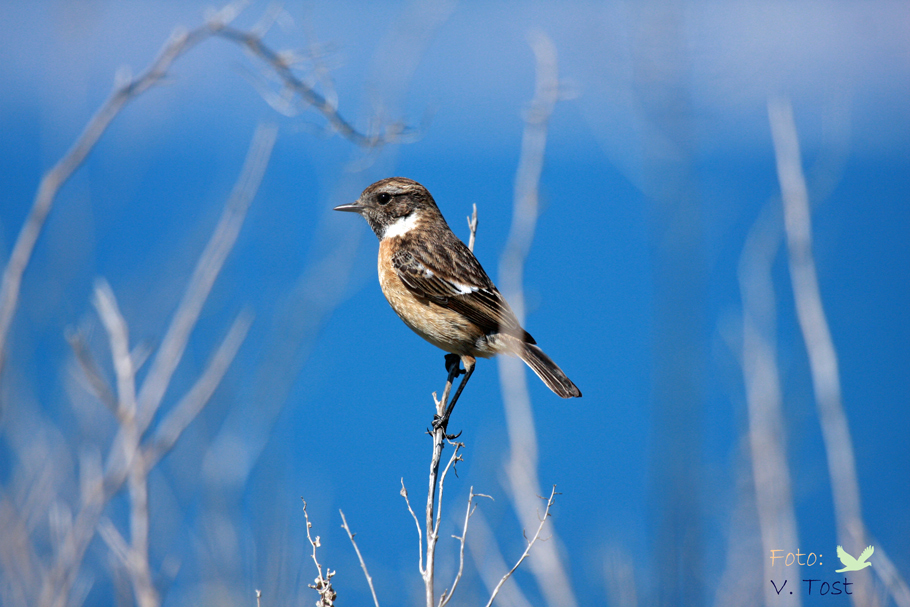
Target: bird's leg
452, 362
454, 371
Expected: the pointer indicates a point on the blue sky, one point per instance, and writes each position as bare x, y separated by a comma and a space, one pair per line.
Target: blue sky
329, 395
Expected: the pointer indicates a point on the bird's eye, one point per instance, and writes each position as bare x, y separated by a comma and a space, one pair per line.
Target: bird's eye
384, 198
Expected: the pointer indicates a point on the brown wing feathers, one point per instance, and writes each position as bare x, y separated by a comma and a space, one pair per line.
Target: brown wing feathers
432, 276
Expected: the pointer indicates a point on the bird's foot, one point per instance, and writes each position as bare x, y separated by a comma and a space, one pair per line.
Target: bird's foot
442, 422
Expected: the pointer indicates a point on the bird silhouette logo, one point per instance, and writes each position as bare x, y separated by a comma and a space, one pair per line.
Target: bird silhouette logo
852, 564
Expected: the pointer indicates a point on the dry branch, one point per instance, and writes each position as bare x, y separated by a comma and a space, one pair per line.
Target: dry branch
543, 519
363, 565
323, 583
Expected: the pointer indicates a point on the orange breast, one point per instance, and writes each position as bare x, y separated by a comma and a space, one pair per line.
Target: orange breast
440, 326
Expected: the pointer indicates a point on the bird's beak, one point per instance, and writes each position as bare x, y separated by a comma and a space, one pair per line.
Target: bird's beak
353, 207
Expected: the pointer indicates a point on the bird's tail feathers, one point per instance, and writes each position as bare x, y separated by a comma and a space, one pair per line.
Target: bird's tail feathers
546, 370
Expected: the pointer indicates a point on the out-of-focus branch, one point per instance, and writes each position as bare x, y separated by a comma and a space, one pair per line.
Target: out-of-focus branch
363, 565
522, 467
137, 561
207, 269
170, 429
129, 460
814, 325
181, 41
118, 334
281, 63
90, 369
851, 530
770, 472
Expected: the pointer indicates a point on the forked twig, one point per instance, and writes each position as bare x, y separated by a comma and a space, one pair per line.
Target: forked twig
550, 501
472, 226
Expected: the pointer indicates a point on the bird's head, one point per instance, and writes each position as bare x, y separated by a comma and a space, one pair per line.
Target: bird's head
394, 205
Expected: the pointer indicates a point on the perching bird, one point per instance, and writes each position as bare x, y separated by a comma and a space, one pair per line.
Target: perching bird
852, 564
437, 286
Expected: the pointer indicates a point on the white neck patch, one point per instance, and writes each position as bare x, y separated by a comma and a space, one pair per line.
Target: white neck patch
402, 226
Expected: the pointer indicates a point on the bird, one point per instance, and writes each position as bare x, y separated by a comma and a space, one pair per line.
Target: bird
852, 564
437, 287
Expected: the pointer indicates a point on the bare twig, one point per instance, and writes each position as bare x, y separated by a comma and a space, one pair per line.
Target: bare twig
472, 226
404, 494
363, 565
442, 480
488, 559
550, 501
323, 583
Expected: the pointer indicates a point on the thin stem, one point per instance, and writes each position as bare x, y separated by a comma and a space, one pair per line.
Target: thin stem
323, 583
546, 514
404, 494
442, 479
363, 565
